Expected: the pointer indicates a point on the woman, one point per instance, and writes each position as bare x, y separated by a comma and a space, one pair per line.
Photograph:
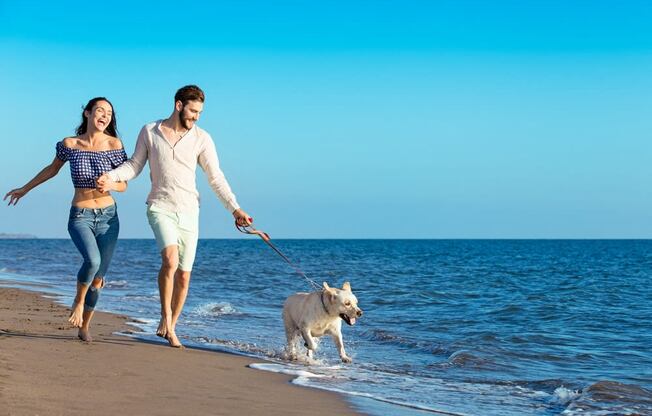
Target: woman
93, 223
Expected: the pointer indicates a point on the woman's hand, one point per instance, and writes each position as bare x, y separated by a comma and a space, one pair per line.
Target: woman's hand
46, 173
105, 184
15, 195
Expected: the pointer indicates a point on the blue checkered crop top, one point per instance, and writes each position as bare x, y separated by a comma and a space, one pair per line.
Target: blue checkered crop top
87, 165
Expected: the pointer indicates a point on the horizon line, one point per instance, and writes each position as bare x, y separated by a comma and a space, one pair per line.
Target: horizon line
377, 238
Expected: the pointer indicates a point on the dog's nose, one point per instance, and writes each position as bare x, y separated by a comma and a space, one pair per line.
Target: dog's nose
359, 313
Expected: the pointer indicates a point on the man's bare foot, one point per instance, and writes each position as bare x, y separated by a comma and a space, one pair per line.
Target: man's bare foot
173, 340
77, 315
84, 335
162, 329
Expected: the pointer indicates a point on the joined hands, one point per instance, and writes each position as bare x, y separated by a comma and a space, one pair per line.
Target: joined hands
104, 183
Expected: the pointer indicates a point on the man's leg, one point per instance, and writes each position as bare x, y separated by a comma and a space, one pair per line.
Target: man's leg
181, 284
164, 226
169, 264
188, 236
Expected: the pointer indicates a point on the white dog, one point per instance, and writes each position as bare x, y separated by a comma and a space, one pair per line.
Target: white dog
319, 313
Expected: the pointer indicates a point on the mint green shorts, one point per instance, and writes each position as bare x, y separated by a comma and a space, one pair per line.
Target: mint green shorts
176, 229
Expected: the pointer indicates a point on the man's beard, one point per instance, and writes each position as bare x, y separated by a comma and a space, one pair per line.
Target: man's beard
183, 121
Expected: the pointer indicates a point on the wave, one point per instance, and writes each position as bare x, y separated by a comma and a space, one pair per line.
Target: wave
609, 397
387, 337
215, 309
116, 284
132, 297
564, 396
244, 348
612, 390
305, 382
466, 358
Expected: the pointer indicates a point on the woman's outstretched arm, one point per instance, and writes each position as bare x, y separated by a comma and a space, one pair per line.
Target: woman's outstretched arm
48, 172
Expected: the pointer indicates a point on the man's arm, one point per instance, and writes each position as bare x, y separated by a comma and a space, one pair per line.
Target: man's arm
210, 164
133, 166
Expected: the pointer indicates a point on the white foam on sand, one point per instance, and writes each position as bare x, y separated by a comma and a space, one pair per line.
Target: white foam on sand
303, 378
278, 368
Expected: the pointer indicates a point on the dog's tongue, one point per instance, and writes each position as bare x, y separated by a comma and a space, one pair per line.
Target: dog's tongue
352, 320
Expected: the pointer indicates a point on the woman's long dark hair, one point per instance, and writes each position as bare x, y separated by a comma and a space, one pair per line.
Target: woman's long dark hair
111, 129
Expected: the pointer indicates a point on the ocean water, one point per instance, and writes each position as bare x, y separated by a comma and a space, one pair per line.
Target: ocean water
456, 327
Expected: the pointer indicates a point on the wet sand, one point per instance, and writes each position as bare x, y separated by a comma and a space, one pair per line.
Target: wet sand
46, 370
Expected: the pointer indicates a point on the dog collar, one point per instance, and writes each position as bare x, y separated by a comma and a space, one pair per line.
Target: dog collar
321, 296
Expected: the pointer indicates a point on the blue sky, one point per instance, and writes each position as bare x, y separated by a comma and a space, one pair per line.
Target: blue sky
353, 119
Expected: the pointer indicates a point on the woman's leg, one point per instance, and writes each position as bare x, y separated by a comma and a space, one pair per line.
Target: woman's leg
106, 237
92, 295
80, 228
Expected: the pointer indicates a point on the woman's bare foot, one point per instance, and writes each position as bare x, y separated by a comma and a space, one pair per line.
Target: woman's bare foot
173, 340
162, 330
85, 335
77, 315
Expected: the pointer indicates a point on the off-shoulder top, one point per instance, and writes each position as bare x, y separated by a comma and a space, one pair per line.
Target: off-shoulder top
87, 165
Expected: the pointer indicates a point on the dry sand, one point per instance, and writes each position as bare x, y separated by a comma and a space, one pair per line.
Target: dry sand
46, 370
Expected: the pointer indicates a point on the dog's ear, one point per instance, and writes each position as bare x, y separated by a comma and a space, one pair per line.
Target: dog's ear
346, 286
329, 290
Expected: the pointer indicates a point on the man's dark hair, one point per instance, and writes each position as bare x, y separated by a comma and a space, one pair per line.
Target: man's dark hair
189, 93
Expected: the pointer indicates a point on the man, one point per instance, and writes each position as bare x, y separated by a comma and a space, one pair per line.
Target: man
173, 148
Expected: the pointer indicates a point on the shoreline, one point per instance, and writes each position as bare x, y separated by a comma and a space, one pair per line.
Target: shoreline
45, 369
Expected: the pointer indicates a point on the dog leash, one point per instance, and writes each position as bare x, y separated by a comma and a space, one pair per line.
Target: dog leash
249, 229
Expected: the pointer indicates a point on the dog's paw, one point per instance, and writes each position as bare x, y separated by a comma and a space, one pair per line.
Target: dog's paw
346, 359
